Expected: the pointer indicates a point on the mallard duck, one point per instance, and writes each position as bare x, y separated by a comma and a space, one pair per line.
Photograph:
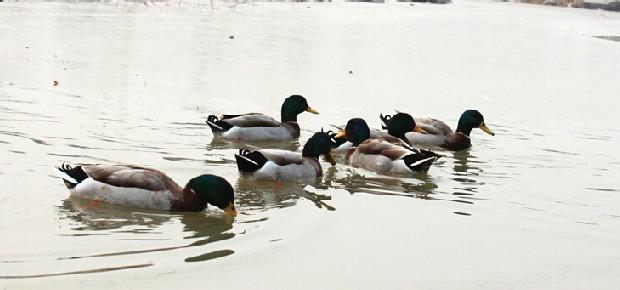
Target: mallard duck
275, 164
143, 187
380, 155
255, 126
429, 131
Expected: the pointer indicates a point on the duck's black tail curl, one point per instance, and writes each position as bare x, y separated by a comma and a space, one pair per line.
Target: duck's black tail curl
385, 121
420, 161
250, 161
75, 173
217, 125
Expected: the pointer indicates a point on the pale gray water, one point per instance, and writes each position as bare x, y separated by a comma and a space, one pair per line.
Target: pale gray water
535, 207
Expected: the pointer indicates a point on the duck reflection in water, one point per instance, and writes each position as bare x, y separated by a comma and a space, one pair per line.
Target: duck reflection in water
355, 180
88, 217
467, 169
217, 144
262, 195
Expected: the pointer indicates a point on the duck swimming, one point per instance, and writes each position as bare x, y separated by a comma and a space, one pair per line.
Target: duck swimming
256, 126
380, 155
433, 132
137, 186
275, 164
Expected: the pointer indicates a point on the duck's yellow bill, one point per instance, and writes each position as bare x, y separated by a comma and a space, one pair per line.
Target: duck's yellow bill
486, 129
230, 210
340, 134
420, 130
311, 110
329, 158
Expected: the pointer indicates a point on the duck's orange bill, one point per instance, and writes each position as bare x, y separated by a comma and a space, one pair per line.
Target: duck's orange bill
340, 134
311, 110
486, 129
230, 210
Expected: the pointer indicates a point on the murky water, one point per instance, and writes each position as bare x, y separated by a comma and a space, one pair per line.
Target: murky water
536, 206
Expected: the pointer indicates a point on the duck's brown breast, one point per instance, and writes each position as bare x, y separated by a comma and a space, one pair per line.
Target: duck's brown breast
457, 141
187, 201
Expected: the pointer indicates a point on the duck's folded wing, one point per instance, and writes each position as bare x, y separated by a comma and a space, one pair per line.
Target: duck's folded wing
251, 120
433, 126
282, 157
382, 147
130, 176
374, 134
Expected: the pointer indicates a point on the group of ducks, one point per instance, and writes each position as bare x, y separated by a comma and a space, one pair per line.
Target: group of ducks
384, 152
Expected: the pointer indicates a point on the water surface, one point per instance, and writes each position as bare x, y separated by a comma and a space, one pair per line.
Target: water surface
537, 206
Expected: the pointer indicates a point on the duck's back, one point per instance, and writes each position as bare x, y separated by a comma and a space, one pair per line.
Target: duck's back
377, 155
437, 130
127, 185
287, 165
434, 126
251, 120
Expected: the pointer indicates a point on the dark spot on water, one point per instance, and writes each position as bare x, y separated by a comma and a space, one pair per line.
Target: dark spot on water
39, 141
275, 240
254, 221
179, 159
603, 189
587, 223
350, 72
559, 152
462, 193
99, 270
79, 146
462, 213
609, 37
463, 201
531, 208
231, 37
210, 256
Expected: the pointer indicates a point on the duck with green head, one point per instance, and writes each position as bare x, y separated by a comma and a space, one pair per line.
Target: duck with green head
381, 156
433, 132
275, 164
137, 186
256, 126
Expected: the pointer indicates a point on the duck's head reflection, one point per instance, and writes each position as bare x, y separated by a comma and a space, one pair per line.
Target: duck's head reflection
466, 163
87, 217
467, 170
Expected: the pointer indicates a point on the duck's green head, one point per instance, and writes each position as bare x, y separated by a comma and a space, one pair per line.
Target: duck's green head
399, 124
356, 131
472, 119
293, 106
320, 143
216, 191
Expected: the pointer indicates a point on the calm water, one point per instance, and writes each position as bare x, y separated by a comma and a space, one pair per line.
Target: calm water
537, 206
